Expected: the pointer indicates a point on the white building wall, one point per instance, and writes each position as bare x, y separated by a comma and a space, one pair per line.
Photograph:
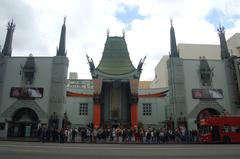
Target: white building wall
161, 74
191, 79
43, 79
158, 111
194, 51
234, 44
72, 107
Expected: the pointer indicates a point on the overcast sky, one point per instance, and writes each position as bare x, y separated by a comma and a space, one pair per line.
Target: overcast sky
146, 22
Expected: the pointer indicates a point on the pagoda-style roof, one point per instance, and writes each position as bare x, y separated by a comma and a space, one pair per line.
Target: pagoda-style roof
115, 59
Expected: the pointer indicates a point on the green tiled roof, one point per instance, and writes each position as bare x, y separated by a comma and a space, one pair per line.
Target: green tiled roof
115, 59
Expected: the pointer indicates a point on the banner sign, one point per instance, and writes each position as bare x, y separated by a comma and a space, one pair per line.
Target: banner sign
207, 93
26, 92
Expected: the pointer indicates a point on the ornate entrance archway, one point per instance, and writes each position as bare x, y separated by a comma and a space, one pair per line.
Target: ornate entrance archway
115, 104
24, 123
206, 113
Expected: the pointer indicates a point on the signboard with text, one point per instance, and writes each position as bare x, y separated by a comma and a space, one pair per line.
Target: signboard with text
26, 92
207, 93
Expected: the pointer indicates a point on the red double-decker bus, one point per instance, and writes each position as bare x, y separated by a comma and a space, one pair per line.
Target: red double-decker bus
220, 129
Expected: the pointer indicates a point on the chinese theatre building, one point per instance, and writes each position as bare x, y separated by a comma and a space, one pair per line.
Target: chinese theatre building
34, 92
115, 84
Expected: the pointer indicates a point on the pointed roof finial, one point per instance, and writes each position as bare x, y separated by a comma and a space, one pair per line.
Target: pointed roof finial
171, 22
123, 32
223, 43
61, 51
173, 43
11, 25
221, 29
64, 19
7, 48
108, 31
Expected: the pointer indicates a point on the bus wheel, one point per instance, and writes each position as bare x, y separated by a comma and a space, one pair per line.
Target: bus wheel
226, 140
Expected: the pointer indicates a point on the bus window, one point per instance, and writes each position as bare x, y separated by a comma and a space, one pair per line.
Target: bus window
204, 129
226, 128
236, 129
215, 133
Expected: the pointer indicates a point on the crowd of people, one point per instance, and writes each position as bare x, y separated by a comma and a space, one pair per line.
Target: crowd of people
118, 135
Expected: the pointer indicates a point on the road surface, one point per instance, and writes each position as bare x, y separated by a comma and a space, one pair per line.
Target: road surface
36, 150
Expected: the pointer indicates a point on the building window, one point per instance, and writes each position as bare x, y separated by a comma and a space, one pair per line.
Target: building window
147, 109
83, 109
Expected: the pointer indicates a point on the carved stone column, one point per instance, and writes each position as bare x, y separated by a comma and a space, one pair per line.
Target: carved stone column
96, 111
134, 111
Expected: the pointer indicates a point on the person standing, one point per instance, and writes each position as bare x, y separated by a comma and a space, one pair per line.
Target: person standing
62, 135
43, 133
74, 133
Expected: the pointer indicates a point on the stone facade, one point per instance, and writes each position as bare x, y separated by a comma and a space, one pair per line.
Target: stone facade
50, 75
184, 77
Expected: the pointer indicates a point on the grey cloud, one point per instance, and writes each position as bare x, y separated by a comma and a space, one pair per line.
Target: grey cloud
26, 36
